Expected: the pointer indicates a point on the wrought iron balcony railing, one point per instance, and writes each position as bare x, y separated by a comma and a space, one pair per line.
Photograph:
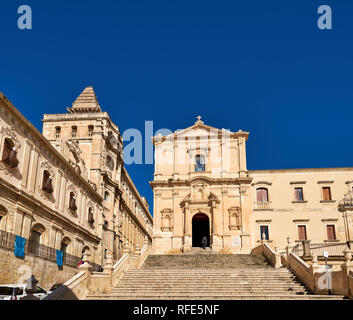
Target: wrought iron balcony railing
7, 241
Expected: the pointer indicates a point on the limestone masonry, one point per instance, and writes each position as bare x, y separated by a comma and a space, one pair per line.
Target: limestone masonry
66, 190
202, 187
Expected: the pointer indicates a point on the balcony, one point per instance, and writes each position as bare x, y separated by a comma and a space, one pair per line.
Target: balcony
7, 241
265, 205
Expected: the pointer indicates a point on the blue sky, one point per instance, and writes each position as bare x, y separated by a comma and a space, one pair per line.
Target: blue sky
259, 66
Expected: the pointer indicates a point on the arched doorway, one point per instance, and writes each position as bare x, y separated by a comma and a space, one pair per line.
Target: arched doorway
200, 228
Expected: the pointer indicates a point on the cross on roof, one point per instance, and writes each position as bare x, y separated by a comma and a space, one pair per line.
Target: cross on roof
199, 119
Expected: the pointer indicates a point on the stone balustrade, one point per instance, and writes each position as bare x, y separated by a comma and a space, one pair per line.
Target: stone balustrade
87, 282
314, 275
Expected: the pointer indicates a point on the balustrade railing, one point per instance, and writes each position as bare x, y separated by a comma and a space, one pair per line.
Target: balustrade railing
262, 205
333, 249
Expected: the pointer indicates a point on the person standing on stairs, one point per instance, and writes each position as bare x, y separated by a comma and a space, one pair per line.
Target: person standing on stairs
204, 242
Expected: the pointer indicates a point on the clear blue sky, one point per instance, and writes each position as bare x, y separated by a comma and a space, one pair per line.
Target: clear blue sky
259, 66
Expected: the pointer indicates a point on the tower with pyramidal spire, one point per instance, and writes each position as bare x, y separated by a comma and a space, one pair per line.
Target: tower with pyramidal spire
93, 144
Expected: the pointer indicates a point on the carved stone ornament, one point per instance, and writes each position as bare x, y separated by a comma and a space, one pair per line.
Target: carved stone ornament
234, 218
167, 215
72, 208
10, 132
11, 167
45, 166
110, 163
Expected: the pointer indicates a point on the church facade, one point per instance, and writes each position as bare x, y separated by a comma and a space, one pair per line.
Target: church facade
202, 188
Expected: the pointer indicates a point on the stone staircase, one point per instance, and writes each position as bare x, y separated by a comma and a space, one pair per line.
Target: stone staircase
202, 276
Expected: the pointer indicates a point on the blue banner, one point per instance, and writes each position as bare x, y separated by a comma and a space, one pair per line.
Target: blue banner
20, 247
59, 258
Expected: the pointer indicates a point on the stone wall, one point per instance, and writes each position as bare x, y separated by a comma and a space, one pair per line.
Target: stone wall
45, 271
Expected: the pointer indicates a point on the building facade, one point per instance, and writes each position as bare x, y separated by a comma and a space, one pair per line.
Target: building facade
66, 189
202, 187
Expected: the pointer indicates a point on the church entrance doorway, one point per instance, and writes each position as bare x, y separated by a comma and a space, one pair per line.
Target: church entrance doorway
200, 228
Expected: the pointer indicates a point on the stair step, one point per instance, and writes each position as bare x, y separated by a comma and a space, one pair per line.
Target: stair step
207, 276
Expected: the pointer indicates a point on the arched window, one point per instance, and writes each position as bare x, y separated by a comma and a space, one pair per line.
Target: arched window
47, 184
106, 195
261, 195
9, 154
72, 202
57, 132
36, 238
64, 245
200, 163
90, 130
3, 213
85, 249
74, 131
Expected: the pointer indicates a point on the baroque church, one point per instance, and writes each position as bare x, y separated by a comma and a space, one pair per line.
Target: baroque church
71, 214
202, 188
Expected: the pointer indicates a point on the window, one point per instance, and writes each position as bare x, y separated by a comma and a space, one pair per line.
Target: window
34, 243
106, 196
262, 195
73, 131
9, 154
64, 246
39, 290
90, 216
57, 132
3, 213
298, 194
264, 235
326, 193
199, 163
90, 130
47, 184
302, 233
72, 203
331, 233
11, 291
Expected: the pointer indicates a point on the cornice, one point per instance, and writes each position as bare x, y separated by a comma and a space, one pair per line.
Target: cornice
189, 182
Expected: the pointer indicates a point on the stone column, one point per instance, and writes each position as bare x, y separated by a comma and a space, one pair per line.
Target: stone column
242, 157
289, 248
188, 231
347, 267
306, 249
108, 269
87, 268
27, 224
18, 223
